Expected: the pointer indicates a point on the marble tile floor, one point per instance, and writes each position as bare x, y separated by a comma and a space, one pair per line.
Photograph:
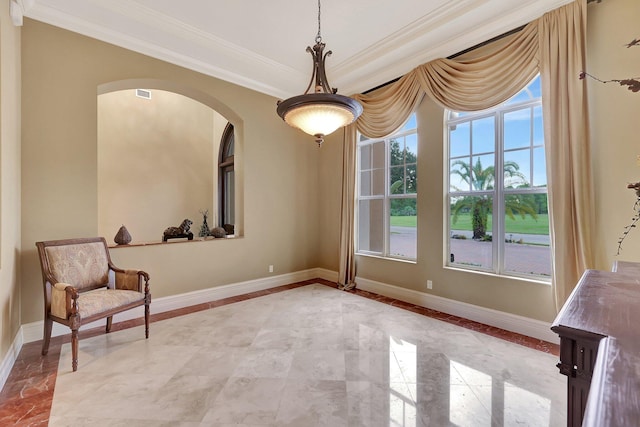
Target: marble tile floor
300, 355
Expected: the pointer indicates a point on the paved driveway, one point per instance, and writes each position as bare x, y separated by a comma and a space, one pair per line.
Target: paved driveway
519, 257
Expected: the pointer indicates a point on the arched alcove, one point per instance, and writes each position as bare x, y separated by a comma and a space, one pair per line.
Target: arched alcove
158, 158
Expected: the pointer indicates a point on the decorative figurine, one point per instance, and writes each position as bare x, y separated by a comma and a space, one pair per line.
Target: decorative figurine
218, 232
177, 232
122, 236
204, 228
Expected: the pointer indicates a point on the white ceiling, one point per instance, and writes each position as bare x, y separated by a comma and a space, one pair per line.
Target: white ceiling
260, 44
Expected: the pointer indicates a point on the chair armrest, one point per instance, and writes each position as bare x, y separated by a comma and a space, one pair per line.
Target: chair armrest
64, 300
132, 280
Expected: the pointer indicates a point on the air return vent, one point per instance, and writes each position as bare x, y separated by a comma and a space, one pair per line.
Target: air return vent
143, 93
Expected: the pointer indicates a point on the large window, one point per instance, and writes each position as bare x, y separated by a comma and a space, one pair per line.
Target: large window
387, 192
498, 222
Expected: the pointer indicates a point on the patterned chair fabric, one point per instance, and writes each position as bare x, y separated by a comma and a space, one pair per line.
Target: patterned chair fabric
81, 285
84, 265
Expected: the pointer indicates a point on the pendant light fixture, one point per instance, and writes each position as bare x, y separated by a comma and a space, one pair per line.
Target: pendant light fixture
323, 111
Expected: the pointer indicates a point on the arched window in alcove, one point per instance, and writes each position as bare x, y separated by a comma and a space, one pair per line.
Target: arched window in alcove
226, 179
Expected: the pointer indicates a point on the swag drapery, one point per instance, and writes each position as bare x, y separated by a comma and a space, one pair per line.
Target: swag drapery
554, 46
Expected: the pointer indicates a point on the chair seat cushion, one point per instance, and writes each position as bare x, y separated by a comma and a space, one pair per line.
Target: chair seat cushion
103, 300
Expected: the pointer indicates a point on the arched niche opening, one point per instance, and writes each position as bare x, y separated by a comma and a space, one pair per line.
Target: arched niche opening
159, 149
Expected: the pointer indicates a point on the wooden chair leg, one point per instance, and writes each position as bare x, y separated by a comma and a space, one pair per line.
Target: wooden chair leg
46, 339
74, 349
146, 320
109, 321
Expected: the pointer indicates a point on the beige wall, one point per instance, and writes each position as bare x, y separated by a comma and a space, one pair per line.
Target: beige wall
291, 191
157, 162
9, 179
614, 116
60, 75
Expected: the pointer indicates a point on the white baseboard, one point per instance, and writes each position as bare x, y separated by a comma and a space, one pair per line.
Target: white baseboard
325, 274
33, 331
510, 322
10, 358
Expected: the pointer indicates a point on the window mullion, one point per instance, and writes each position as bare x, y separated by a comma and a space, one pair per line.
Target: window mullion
498, 228
531, 145
386, 217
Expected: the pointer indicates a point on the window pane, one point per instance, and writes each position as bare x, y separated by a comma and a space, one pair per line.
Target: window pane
403, 235
535, 88
366, 183
365, 157
470, 232
483, 174
372, 156
372, 182
538, 130
459, 140
539, 168
371, 225
411, 144
517, 168
378, 151
517, 129
229, 197
527, 249
411, 179
396, 151
230, 147
484, 135
396, 180
459, 174
411, 123
403, 180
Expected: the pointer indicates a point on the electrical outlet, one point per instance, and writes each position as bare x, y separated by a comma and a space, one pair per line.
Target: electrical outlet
429, 284
271, 269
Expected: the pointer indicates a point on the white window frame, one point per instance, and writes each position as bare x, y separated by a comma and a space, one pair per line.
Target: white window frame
386, 197
499, 192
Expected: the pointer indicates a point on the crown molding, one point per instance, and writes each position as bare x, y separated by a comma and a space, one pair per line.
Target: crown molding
416, 30
136, 27
16, 11
204, 52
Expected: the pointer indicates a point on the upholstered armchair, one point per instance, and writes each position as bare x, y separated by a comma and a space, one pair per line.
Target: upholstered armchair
82, 285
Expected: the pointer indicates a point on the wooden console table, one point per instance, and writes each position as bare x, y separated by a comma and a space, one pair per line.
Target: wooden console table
599, 329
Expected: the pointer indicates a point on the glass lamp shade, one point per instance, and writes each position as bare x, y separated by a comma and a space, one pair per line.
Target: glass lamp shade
319, 114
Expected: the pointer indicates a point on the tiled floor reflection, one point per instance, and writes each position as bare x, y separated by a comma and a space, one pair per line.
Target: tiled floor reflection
308, 356
302, 355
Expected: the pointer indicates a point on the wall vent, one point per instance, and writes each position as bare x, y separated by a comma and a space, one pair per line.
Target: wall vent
143, 93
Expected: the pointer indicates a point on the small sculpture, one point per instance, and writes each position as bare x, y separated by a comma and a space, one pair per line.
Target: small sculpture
228, 228
218, 232
177, 232
122, 236
204, 228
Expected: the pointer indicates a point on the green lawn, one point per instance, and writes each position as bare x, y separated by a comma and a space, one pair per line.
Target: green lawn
404, 221
527, 225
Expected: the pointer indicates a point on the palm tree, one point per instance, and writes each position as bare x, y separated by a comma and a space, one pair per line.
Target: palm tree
481, 206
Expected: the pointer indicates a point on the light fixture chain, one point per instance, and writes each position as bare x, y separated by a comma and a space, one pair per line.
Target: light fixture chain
318, 37
323, 111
